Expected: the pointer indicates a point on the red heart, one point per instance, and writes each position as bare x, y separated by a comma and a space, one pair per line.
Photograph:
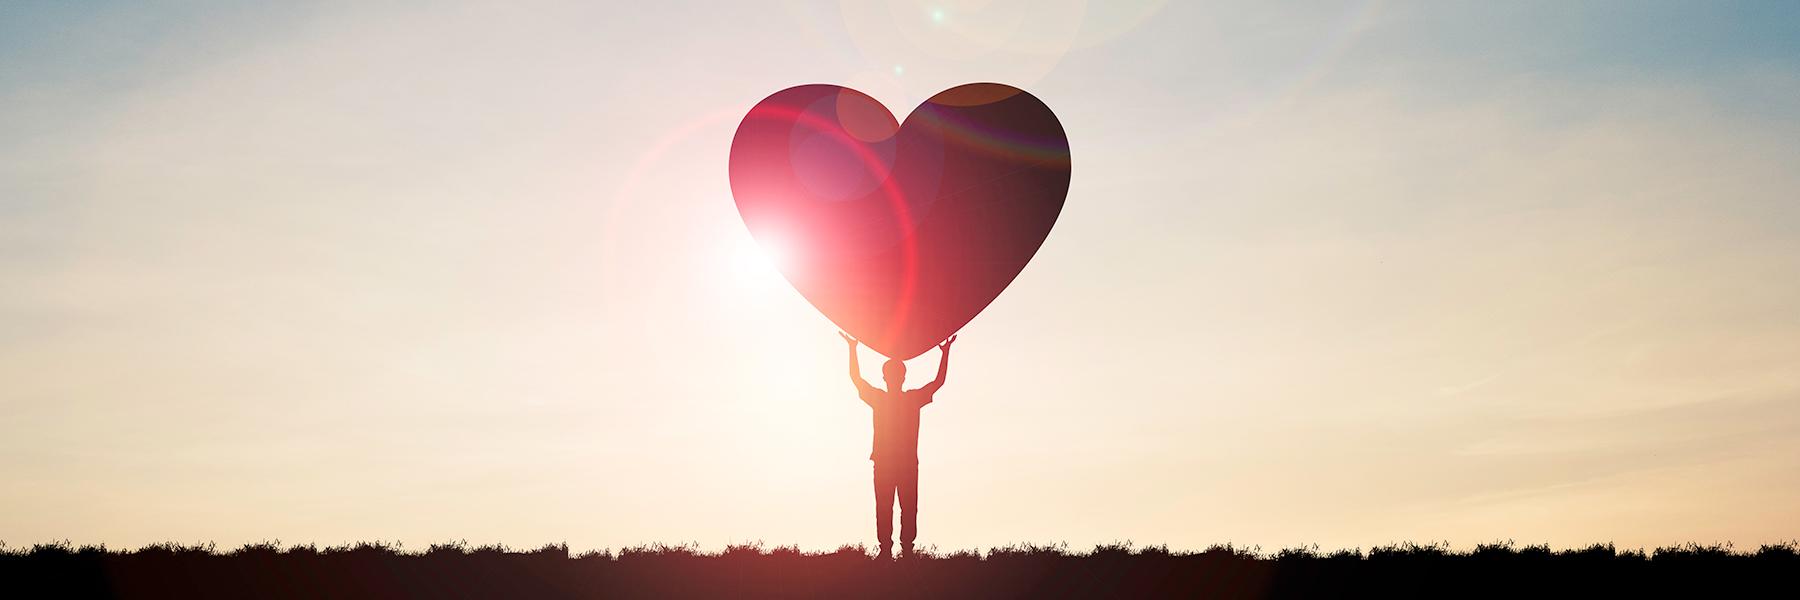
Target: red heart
900, 233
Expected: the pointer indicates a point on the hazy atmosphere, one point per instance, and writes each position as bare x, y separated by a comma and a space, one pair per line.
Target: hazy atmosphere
1434, 271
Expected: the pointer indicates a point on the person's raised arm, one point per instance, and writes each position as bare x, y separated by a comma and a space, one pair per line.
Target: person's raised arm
943, 367
863, 389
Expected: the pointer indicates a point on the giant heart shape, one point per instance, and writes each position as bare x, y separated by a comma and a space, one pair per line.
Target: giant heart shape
900, 233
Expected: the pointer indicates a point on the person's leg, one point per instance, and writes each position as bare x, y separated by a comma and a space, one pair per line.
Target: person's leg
884, 509
908, 487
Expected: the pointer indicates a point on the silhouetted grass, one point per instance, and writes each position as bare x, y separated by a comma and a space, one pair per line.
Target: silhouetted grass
456, 569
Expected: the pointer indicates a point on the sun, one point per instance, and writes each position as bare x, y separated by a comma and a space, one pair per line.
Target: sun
756, 264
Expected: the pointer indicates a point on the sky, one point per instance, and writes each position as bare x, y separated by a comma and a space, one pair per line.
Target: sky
1337, 273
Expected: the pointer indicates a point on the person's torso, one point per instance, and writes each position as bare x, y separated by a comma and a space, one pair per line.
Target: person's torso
897, 427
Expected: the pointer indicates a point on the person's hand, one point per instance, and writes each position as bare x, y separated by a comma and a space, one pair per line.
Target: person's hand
945, 347
848, 340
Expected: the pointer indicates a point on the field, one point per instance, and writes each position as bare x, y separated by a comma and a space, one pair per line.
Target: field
457, 570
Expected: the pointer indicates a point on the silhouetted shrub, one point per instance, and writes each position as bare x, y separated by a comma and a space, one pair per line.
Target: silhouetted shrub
1301, 553
266, 550
1596, 552
1778, 552
1227, 551
1693, 551
1410, 551
455, 569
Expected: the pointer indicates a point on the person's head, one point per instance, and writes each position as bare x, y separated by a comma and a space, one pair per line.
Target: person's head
893, 373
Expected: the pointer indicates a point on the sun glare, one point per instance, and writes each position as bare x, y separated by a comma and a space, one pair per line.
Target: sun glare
755, 265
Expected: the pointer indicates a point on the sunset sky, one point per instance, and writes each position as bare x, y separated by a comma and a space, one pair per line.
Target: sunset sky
1334, 273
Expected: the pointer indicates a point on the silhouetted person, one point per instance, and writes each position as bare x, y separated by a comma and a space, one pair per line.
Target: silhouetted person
896, 447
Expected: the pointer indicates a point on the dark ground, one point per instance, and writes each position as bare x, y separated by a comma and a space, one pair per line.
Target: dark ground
378, 571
